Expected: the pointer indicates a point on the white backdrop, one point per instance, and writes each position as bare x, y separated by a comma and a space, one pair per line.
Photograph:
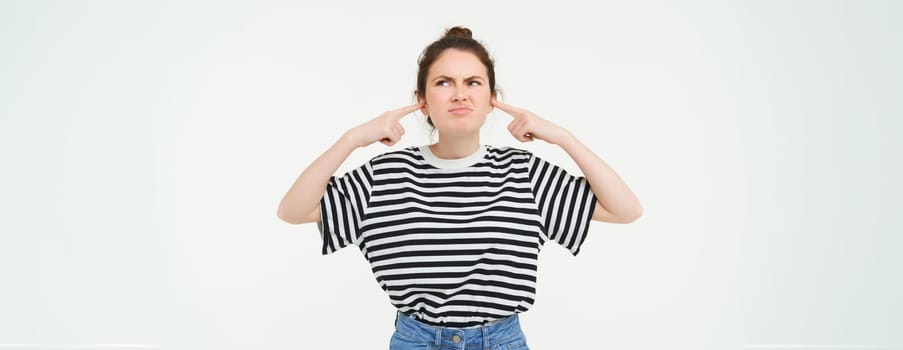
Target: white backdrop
146, 146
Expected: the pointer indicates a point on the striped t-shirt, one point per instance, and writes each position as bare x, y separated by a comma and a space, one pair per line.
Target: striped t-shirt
455, 242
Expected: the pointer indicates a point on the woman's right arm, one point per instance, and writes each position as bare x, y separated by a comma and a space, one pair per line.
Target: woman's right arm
301, 204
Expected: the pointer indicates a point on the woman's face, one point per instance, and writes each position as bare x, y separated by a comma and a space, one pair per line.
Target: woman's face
457, 93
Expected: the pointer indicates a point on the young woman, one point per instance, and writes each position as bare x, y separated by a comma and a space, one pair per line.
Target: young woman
452, 230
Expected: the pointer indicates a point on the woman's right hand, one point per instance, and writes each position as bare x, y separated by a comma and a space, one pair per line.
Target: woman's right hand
385, 128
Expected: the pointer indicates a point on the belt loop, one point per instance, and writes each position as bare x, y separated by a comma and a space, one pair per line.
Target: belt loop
438, 336
485, 329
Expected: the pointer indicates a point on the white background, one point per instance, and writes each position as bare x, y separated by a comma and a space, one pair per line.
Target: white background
145, 147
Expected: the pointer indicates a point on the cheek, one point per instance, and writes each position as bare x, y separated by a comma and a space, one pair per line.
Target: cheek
435, 98
436, 95
482, 98
481, 94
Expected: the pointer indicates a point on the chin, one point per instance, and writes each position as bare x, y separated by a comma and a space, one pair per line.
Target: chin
461, 127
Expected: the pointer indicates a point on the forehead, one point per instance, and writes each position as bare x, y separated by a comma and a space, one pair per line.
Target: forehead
457, 63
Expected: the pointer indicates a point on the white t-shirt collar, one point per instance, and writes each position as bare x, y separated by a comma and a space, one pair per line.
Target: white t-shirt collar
467, 161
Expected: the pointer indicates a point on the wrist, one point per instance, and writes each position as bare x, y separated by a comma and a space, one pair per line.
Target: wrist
567, 140
346, 142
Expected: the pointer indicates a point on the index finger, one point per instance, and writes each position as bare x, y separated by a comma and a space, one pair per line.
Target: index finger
513, 111
403, 111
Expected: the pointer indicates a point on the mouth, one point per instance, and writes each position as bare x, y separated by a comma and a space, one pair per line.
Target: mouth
460, 110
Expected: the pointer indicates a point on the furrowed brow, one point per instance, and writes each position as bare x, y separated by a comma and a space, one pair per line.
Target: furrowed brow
473, 77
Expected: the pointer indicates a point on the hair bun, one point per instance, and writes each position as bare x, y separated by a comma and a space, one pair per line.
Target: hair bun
458, 32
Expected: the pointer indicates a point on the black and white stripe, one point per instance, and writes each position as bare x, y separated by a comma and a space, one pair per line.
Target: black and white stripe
456, 246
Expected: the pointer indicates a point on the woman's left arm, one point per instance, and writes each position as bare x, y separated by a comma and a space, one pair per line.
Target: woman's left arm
615, 203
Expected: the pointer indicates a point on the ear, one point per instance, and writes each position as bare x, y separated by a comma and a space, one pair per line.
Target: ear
425, 109
493, 96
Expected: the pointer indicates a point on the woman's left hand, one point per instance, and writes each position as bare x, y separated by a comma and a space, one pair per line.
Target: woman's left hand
527, 126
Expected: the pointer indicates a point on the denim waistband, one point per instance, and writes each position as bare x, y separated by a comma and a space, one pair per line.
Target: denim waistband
477, 337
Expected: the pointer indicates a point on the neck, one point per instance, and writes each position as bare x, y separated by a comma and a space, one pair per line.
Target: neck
456, 147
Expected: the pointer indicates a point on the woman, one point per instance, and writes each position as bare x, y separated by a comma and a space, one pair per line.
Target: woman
452, 230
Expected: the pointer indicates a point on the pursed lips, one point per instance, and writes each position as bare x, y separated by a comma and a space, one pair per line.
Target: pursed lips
459, 109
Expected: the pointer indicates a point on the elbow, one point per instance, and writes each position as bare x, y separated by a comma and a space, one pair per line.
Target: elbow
283, 215
293, 216
634, 215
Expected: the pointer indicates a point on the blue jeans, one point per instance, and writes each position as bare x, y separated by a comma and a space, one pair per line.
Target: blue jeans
504, 334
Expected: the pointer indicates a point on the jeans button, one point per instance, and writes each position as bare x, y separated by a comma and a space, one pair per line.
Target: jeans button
456, 339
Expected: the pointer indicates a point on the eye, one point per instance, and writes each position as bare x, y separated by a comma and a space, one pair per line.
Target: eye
475, 83
442, 83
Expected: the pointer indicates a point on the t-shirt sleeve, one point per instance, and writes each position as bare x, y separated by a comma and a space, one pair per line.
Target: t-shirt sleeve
565, 203
342, 208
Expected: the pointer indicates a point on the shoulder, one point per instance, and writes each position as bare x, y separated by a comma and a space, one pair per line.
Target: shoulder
407, 152
508, 151
407, 157
509, 155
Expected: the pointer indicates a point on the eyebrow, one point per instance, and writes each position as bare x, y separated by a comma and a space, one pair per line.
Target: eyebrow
473, 77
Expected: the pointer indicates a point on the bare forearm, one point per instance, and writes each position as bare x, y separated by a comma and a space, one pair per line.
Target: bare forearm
611, 192
303, 198
305, 194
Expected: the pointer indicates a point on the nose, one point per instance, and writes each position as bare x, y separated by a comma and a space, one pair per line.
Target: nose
459, 95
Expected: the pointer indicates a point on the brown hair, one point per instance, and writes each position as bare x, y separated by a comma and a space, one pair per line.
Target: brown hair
459, 38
